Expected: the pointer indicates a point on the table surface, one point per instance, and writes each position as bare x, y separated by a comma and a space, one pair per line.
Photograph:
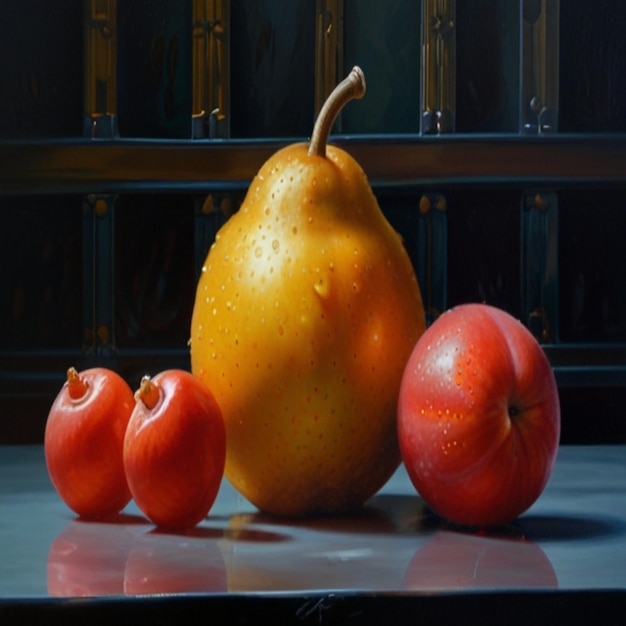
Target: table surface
573, 539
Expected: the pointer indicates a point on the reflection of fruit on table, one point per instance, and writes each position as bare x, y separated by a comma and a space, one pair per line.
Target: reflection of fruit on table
451, 560
89, 558
394, 553
159, 562
351, 552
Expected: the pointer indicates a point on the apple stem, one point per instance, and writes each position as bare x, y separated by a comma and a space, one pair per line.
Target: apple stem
148, 392
350, 88
76, 384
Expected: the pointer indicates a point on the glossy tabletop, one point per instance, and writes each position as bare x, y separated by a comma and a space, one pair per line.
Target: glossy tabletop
568, 550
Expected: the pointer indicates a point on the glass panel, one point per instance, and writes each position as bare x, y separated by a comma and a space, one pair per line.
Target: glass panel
155, 270
487, 66
273, 68
41, 81
484, 248
592, 266
383, 38
41, 273
154, 82
593, 67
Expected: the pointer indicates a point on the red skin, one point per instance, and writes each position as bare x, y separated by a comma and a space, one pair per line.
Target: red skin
478, 417
175, 449
83, 442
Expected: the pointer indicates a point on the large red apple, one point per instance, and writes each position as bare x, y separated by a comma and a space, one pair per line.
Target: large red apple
478, 417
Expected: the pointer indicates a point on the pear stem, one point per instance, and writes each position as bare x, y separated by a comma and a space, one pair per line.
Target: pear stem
350, 88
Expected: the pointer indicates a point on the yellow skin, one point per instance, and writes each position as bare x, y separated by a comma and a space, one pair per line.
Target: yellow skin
306, 313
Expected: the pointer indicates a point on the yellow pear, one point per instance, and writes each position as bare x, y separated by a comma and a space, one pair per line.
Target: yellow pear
306, 312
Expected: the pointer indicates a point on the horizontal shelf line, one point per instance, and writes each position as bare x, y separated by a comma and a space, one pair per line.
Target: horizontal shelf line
583, 365
591, 376
124, 165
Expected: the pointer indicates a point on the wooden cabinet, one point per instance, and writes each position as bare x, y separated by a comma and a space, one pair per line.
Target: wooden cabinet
130, 131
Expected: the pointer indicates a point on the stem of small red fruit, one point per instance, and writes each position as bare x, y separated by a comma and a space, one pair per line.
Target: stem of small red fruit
76, 385
148, 393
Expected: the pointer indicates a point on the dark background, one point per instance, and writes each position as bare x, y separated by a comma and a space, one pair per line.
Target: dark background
151, 251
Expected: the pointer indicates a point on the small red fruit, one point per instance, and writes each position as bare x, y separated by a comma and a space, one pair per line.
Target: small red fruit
175, 449
478, 416
83, 442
